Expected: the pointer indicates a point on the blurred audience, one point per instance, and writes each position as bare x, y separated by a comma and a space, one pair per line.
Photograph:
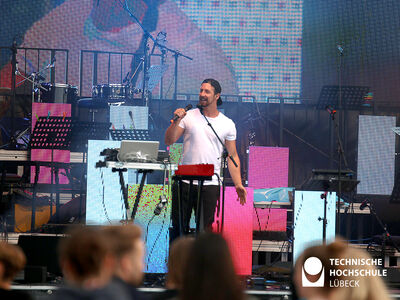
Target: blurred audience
178, 255
336, 284
128, 252
209, 272
12, 261
87, 265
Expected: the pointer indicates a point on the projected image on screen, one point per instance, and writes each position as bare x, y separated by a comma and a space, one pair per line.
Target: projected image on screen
251, 47
105, 205
376, 155
262, 40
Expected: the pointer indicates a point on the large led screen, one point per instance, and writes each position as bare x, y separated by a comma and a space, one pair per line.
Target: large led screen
376, 155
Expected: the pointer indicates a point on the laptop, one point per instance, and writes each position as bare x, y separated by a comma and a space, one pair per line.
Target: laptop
138, 151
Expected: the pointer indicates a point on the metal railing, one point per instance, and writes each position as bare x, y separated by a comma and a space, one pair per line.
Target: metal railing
31, 62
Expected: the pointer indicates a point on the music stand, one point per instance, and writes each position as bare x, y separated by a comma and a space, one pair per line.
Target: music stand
84, 131
52, 133
328, 181
130, 134
352, 97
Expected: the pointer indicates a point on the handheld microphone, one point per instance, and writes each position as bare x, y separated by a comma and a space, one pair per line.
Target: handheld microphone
188, 107
160, 205
364, 204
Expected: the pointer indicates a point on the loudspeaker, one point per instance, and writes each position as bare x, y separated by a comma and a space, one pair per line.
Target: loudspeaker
41, 251
35, 274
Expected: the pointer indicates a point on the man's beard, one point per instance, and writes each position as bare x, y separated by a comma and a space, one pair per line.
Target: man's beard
203, 101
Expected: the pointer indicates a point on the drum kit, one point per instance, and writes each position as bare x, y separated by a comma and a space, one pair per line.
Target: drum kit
102, 94
114, 93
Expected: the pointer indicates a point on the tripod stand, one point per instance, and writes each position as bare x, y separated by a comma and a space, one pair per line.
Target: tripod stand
386, 236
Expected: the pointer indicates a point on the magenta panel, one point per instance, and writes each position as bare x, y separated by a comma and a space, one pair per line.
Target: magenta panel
53, 110
238, 229
273, 219
268, 167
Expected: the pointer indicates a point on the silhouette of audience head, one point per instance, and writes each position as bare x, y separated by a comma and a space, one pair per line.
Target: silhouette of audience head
128, 251
85, 258
12, 260
209, 272
178, 255
358, 287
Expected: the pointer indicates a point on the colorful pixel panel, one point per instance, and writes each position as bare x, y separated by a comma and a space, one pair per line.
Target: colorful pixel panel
104, 201
120, 117
155, 230
175, 153
376, 155
262, 40
105, 205
268, 167
307, 226
238, 229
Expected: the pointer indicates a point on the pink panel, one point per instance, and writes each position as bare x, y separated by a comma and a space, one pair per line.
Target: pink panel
56, 110
238, 229
268, 167
275, 222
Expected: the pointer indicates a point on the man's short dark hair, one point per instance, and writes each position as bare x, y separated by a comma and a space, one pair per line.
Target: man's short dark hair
121, 238
217, 87
85, 249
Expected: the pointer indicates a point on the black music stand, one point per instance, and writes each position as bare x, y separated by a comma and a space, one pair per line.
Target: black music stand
130, 134
352, 97
328, 181
84, 131
52, 133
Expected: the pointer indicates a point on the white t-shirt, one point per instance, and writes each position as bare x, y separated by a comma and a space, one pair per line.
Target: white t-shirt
200, 145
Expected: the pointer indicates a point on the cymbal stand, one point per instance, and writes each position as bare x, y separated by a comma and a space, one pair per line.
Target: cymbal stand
34, 78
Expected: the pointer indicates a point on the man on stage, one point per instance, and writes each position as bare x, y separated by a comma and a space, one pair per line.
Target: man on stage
201, 146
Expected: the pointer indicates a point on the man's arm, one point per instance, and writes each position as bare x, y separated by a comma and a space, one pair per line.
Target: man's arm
174, 131
235, 171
